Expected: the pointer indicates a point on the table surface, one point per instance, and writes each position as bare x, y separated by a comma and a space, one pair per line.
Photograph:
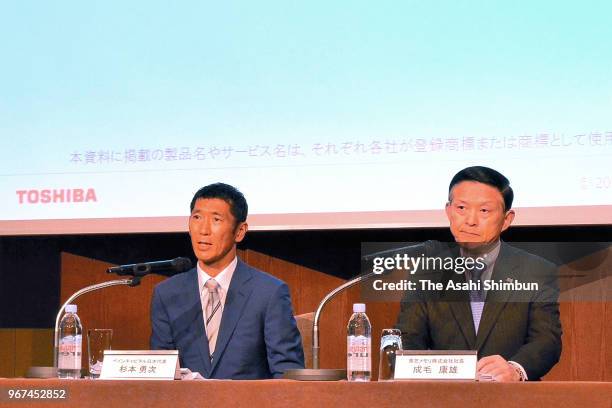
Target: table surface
284, 393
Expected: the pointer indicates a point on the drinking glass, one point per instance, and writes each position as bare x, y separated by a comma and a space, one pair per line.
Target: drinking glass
390, 343
98, 340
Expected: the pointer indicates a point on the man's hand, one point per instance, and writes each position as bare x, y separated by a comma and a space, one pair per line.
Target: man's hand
497, 367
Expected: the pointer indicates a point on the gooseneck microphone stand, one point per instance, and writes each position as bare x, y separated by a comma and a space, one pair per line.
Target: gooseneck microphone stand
129, 282
50, 372
137, 271
324, 374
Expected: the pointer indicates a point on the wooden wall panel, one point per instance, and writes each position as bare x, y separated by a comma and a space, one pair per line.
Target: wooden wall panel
607, 343
587, 342
7, 353
32, 349
124, 309
23, 348
307, 286
586, 318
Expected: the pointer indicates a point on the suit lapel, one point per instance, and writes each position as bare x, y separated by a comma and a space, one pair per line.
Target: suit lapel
239, 290
459, 301
505, 267
461, 309
192, 296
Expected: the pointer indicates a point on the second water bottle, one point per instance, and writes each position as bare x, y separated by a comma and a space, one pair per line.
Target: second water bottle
359, 345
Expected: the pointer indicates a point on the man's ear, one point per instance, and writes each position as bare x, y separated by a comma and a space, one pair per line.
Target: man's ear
240, 232
447, 210
508, 218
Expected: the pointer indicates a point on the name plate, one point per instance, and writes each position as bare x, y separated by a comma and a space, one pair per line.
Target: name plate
435, 365
140, 365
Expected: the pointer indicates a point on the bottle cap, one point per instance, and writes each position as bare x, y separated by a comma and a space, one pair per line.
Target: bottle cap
71, 308
359, 308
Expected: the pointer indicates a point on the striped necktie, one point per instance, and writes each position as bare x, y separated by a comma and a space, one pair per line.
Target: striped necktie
213, 314
477, 297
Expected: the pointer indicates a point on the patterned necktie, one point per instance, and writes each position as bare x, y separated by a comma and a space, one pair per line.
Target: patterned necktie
477, 297
213, 314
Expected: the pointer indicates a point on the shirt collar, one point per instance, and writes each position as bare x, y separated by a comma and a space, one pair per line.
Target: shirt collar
489, 257
223, 278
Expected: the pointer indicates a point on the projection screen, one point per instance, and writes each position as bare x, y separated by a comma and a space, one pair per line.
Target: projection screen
324, 114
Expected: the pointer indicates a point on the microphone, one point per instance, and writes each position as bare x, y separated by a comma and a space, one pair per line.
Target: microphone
167, 268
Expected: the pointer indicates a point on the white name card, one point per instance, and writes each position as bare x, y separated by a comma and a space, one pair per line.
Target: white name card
140, 365
435, 365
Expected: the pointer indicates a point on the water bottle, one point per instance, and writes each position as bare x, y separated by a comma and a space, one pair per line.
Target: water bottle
359, 345
70, 344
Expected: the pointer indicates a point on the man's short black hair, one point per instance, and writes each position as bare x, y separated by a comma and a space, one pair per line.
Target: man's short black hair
229, 194
487, 176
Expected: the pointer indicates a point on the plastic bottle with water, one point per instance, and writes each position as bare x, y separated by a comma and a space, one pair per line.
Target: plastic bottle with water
359, 345
70, 344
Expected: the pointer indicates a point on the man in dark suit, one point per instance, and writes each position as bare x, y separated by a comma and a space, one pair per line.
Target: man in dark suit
226, 319
517, 333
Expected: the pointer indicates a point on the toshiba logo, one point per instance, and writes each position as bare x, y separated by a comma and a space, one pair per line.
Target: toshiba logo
68, 195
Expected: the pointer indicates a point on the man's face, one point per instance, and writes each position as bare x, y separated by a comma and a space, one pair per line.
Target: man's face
214, 234
476, 214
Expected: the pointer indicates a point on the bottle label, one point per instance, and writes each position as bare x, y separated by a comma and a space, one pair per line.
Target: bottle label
69, 353
359, 350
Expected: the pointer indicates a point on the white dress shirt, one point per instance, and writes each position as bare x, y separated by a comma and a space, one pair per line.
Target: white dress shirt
224, 279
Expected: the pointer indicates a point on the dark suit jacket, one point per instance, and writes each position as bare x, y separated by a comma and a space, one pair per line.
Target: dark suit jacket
520, 326
258, 336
